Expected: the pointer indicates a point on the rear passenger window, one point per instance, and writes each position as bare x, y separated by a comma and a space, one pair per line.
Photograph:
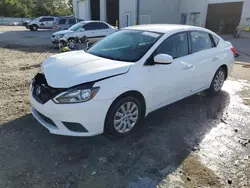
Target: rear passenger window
200, 41
102, 26
95, 26
62, 21
72, 21
176, 46
90, 26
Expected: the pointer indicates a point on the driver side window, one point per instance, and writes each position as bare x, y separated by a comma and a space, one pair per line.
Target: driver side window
42, 20
176, 46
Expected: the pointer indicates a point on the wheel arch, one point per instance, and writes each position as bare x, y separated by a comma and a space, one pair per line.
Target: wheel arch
225, 68
35, 25
138, 95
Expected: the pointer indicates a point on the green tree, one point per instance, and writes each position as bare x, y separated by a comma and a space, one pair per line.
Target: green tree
35, 8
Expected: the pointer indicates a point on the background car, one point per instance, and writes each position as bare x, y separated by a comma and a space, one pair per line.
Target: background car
43, 22
64, 23
25, 23
93, 30
15, 23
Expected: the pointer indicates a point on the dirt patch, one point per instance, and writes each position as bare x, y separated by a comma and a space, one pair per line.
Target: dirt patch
241, 72
163, 147
195, 174
14, 81
12, 28
245, 95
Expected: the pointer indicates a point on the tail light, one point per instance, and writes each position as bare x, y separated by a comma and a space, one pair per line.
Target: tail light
57, 26
233, 49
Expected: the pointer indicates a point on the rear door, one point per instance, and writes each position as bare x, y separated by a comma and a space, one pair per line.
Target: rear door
206, 58
62, 24
49, 22
95, 31
103, 29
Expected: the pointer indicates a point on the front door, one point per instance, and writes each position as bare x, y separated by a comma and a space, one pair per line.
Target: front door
171, 82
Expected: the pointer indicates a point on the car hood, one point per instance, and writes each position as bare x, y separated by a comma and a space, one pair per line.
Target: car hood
63, 32
32, 22
73, 68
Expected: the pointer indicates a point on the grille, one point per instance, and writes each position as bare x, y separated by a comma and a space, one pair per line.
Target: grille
42, 92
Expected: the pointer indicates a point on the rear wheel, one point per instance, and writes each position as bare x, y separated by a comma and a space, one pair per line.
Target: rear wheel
124, 115
218, 80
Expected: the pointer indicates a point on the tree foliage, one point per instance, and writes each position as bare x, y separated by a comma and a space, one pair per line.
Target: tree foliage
35, 8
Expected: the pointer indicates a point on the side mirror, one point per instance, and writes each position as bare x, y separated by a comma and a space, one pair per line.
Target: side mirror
82, 30
163, 59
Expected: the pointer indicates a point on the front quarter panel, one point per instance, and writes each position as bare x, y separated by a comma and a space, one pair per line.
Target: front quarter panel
134, 80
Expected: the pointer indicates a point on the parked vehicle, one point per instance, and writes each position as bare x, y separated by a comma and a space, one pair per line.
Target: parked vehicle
15, 23
64, 23
43, 22
121, 79
93, 30
25, 23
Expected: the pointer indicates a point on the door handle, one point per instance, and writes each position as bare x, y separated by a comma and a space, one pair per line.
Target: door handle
215, 58
187, 67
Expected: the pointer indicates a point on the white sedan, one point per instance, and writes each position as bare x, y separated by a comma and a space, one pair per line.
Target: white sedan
93, 30
122, 78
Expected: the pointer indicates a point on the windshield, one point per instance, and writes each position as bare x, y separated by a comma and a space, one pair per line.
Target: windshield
125, 45
76, 26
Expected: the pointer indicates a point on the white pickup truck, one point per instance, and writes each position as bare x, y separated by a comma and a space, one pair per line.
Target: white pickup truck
43, 22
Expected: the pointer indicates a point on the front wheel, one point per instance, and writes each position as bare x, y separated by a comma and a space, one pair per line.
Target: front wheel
218, 80
71, 43
124, 115
33, 27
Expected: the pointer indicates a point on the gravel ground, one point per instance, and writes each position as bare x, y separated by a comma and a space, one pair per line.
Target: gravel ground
15, 36
202, 141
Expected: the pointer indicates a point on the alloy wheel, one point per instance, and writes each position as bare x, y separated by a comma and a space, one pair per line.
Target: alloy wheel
219, 80
71, 43
126, 117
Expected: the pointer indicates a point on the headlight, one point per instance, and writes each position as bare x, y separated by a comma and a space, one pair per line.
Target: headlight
76, 96
60, 36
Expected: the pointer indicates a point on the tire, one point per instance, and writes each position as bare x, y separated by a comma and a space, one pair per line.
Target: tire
123, 117
71, 43
34, 28
218, 80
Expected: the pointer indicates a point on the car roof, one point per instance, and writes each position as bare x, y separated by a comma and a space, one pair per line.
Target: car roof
62, 17
91, 21
163, 28
47, 17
